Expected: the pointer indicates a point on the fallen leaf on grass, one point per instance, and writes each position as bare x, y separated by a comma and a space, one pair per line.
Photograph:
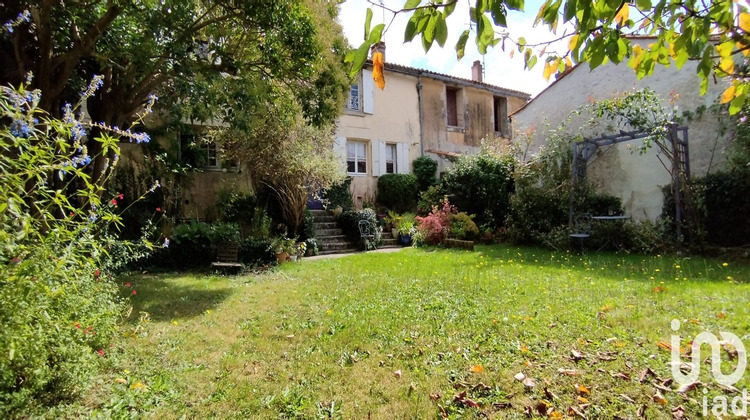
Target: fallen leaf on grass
523, 348
568, 372
519, 376
529, 382
582, 390
728, 388
627, 398
462, 399
645, 374
642, 411
550, 394
659, 289
721, 315
623, 376
688, 387
397, 374
435, 397
121, 381
555, 415
477, 369
582, 400
659, 398
664, 345
576, 355
678, 412
572, 411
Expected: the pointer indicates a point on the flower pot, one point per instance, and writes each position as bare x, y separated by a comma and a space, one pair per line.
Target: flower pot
293, 257
405, 239
394, 233
281, 257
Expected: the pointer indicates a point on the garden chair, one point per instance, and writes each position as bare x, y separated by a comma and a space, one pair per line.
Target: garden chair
367, 234
582, 228
227, 256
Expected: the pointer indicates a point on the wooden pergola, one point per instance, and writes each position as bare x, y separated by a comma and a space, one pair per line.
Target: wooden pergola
677, 138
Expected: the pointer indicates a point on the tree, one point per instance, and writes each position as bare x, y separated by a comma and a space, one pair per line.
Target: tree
185, 52
714, 33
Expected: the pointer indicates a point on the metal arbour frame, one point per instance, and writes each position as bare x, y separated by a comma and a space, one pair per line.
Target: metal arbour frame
584, 150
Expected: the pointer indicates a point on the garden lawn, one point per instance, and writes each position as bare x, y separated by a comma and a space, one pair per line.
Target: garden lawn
422, 333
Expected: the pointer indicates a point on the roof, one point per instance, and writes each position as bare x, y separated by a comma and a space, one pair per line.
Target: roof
398, 68
560, 77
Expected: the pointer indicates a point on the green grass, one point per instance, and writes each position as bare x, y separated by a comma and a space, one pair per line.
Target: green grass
322, 339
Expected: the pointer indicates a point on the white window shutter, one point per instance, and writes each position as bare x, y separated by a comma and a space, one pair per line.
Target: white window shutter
402, 157
339, 147
383, 156
376, 157
368, 105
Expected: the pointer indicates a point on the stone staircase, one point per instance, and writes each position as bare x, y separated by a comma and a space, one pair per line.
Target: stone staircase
331, 239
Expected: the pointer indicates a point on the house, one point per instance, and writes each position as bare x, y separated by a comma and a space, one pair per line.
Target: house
420, 112
616, 169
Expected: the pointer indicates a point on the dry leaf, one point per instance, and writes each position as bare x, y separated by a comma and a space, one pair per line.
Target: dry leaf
582, 400
642, 411
519, 377
646, 373
623, 376
377, 70
435, 397
549, 394
397, 374
721, 315
678, 412
121, 381
659, 398
627, 398
477, 369
568, 372
582, 390
524, 349
688, 387
572, 411
576, 355
529, 382
555, 415
665, 345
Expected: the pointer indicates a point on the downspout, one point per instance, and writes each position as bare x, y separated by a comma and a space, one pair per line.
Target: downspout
421, 115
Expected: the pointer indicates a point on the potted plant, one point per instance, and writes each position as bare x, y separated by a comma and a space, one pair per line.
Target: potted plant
312, 247
284, 247
405, 229
392, 220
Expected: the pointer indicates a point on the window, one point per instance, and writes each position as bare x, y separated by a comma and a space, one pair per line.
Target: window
353, 104
356, 157
501, 114
212, 158
390, 158
451, 106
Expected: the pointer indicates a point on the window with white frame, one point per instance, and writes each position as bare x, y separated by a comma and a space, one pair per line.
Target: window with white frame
212, 154
390, 158
354, 103
356, 157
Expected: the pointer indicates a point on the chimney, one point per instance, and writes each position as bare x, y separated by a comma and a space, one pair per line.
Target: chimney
379, 47
476, 72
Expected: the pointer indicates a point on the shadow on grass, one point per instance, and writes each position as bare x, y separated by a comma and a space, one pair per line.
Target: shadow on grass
171, 297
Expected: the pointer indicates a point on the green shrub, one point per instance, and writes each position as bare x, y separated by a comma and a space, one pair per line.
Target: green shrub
463, 226
725, 200
236, 207
339, 195
433, 196
398, 191
256, 252
424, 169
224, 232
60, 304
482, 185
190, 247
349, 221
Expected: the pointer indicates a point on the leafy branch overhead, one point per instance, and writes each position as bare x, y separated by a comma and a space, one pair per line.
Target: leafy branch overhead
716, 34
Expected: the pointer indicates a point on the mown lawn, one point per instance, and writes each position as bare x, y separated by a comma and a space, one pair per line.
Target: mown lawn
420, 334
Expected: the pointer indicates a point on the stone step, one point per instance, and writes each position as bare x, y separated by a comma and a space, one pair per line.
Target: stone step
325, 225
389, 242
338, 251
317, 213
332, 239
332, 246
320, 233
324, 219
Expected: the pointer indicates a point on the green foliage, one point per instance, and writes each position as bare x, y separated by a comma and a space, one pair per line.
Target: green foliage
738, 157
234, 206
424, 168
605, 31
349, 221
725, 204
397, 191
406, 224
463, 226
224, 232
482, 185
256, 252
190, 247
433, 196
60, 304
339, 195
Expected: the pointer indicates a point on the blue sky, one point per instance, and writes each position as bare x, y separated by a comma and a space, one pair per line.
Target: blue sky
500, 68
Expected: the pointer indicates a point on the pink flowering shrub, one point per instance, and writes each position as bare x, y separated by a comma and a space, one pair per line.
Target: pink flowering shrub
435, 226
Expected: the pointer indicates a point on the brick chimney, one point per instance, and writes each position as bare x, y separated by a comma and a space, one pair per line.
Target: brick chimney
380, 46
476, 72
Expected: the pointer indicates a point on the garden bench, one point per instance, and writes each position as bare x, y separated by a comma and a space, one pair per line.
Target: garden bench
226, 256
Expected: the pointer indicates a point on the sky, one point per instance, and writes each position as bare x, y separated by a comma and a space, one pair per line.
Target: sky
500, 69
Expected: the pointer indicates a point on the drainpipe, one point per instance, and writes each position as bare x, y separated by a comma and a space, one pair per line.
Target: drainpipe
421, 113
